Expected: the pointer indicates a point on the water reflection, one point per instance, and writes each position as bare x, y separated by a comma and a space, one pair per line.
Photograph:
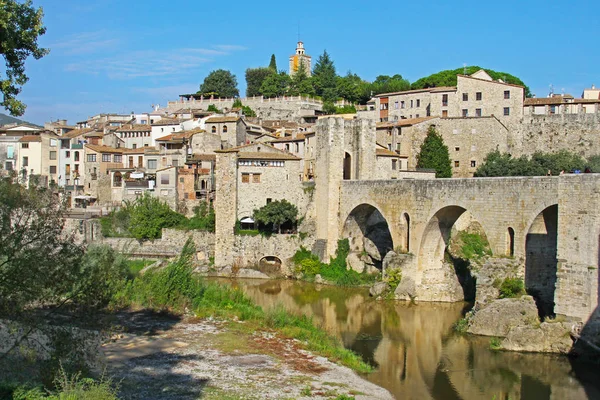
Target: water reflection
416, 352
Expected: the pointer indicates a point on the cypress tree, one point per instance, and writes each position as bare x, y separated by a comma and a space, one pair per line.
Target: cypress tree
434, 155
273, 63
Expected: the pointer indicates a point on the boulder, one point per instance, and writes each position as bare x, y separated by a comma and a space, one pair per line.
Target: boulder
371, 249
378, 289
500, 316
252, 274
354, 262
371, 269
406, 290
547, 337
366, 259
319, 279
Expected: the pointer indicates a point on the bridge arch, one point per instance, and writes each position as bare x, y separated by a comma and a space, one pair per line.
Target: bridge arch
366, 225
270, 264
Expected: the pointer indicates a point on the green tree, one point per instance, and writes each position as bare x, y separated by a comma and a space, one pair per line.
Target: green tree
275, 85
221, 82
503, 164
448, 78
276, 213
352, 88
300, 83
434, 155
273, 63
389, 84
324, 77
593, 163
213, 108
246, 110
254, 80
149, 215
20, 27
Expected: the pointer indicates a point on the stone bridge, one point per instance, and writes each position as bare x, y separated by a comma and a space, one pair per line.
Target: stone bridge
550, 226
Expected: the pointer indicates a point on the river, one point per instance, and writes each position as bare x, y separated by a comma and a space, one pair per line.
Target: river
417, 354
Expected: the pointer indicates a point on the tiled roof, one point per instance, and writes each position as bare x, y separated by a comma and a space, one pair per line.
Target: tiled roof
179, 135
134, 128
166, 121
485, 80
77, 132
133, 151
299, 138
385, 153
202, 157
259, 155
433, 89
402, 122
103, 149
31, 138
216, 120
542, 101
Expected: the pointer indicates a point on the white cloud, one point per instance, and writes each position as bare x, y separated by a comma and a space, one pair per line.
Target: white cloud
229, 47
85, 43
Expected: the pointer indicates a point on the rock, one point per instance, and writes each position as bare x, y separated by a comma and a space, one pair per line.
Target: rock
371, 249
252, 274
406, 290
547, 337
354, 262
500, 316
319, 279
364, 257
394, 260
371, 269
378, 289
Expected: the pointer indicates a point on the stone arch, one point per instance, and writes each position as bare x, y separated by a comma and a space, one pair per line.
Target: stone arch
368, 231
540, 259
347, 166
270, 264
445, 282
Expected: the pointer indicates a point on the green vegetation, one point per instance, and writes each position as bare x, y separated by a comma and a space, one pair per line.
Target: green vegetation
246, 110
221, 83
503, 164
434, 154
461, 325
147, 216
273, 63
176, 289
255, 78
21, 26
495, 343
213, 108
393, 277
510, 287
276, 214
448, 78
135, 266
335, 272
473, 246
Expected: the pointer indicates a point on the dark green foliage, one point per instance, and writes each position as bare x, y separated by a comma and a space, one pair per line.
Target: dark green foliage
503, 164
275, 85
511, 287
221, 82
329, 108
255, 78
203, 219
213, 108
593, 163
352, 88
448, 78
276, 213
149, 215
300, 83
434, 155
247, 111
273, 63
347, 109
324, 77
473, 245
389, 84
21, 26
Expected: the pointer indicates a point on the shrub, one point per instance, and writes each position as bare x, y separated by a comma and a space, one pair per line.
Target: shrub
512, 287
203, 219
461, 325
393, 277
474, 245
495, 343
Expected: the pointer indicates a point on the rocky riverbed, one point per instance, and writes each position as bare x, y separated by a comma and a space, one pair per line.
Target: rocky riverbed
165, 357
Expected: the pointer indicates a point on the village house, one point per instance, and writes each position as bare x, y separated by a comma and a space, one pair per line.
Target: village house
135, 136
38, 158
163, 127
232, 130
561, 104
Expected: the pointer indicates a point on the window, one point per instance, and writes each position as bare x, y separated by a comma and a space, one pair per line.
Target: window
444, 100
417, 116
269, 200
164, 179
287, 147
67, 154
444, 113
506, 110
418, 103
297, 147
456, 164
52, 155
162, 129
134, 146
175, 163
53, 142
396, 105
105, 157
118, 158
255, 178
245, 178
24, 145
478, 112
76, 156
213, 129
181, 180
465, 112
395, 118
91, 158
465, 96
25, 161
53, 169
411, 104
394, 165
402, 105
507, 94
478, 96
473, 163
152, 164
117, 179
457, 149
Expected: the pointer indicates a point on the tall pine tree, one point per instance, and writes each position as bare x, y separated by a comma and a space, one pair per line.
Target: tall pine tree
273, 63
434, 155
324, 78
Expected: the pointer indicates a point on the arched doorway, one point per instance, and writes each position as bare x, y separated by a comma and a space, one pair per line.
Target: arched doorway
368, 233
447, 276
347, 166
540, 261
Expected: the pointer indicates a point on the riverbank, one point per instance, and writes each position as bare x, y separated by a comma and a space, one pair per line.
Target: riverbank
159, 356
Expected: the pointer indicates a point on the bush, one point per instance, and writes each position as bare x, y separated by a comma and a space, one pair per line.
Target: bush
203, 219
474, 245
150, 215
511, 287
461, 325
393, 277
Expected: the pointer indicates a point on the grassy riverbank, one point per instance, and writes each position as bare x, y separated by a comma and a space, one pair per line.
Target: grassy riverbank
176, 289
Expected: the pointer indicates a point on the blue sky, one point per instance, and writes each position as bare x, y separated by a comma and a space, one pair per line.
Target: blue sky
122, 56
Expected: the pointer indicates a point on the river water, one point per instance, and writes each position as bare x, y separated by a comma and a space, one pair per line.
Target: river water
417, 354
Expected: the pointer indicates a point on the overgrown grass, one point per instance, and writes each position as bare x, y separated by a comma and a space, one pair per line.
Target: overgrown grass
176, 289
135, 266
461, 325
474, 245
335, 272
510, 287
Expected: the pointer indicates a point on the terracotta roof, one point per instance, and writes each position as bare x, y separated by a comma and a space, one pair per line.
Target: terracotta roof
216, 120
103, 149
77, 132
163, 169
492, 81
134, 128
542, 101
133, 151
202, 157
299, 138
94, 134
237, 148
185, 171
166, 121
31, 138
386, 153
402, 122
179, 135
259, 155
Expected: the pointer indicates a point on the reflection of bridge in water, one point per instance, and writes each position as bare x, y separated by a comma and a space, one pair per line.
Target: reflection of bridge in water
415, 350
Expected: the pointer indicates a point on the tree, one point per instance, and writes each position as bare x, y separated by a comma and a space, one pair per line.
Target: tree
221, 82
503, 164
434, 155
20, 27
324, 77
275, 85
276, 213
254, 79
352, 88
389, 84
149, 216
246, 110
273, 63
301, 83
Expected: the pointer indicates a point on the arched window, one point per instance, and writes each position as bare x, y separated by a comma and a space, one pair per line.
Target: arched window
117, 179
224, 128
214, 129
510, 242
